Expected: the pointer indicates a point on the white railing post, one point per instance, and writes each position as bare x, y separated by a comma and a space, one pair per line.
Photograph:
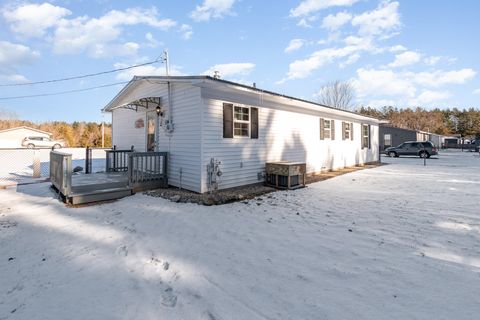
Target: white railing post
36, 164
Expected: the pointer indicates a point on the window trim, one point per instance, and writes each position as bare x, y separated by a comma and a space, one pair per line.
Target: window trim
327, 129
242, 121
366, 136
349, 131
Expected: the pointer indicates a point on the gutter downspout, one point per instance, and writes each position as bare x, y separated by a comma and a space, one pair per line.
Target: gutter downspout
169, 125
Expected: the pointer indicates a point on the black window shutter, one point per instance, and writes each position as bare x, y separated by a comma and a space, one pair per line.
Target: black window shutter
254, 123
227, 120
343, 131
332, 130
321, 129
351, 131
361, 135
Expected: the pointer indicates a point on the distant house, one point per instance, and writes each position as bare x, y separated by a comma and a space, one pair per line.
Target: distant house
200, 120
394, 136
12, 138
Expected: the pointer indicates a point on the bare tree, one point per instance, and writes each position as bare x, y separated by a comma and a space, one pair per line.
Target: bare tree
337, 94
6, 114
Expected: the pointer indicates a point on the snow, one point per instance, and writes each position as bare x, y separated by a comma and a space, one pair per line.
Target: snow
400, 241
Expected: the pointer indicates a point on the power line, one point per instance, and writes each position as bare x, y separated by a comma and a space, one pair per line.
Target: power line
61, 92
79, 77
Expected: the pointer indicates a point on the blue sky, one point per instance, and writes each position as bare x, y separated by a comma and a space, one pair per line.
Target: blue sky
400, 53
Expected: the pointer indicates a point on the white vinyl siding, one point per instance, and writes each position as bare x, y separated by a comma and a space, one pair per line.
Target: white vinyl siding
282, 135
183, 145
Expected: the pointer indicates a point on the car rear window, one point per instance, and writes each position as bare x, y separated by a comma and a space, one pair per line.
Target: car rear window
427, 144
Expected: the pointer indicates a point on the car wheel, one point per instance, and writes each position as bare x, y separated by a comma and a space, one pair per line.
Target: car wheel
30, 146
392, 154
424, 154
57, 146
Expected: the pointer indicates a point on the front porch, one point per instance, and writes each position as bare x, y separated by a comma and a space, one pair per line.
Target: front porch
127, 172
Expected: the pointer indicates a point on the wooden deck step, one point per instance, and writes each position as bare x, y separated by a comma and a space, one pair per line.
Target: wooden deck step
99, 195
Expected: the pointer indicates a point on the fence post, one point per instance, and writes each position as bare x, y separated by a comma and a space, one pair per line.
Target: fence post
36, 164
88, 160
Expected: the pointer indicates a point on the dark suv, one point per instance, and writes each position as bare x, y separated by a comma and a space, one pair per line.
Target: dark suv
423, 149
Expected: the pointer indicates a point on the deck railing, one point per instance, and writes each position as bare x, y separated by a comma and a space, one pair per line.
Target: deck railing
61, 171
147, 170
117, 160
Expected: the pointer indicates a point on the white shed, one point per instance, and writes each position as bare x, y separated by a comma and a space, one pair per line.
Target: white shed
200, 118
12, 138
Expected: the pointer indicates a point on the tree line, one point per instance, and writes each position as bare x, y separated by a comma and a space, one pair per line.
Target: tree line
441, 121
76, 134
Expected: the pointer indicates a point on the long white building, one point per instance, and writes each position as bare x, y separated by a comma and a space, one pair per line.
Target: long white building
197, 118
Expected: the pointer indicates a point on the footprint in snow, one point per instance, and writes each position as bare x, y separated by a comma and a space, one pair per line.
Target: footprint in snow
122, 250
168, 298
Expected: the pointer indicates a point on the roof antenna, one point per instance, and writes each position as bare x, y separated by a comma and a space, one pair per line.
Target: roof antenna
216, 74
166, 61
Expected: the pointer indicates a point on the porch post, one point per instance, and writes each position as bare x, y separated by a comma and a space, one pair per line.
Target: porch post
157, 131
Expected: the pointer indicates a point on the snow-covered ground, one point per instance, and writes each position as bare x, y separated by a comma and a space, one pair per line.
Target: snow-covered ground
400, 241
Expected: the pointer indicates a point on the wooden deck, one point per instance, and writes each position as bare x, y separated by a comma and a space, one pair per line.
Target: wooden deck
145, 170
99, 187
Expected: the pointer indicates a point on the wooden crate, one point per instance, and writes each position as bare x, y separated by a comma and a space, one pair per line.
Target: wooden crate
285, 175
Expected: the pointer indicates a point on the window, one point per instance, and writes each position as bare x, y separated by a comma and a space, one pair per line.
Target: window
387, 140
347, 130
327, 129
241, 121
365, 136
151, 124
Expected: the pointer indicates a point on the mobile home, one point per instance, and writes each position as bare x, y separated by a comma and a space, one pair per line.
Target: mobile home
203, 121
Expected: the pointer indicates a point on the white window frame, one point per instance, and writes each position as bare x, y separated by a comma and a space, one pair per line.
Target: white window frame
348, 132
242, 121
389, 139
365, 136
329, 129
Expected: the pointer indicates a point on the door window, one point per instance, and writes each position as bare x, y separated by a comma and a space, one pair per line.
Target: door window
151, 127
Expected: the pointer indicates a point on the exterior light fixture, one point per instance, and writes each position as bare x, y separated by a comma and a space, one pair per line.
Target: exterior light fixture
159, 112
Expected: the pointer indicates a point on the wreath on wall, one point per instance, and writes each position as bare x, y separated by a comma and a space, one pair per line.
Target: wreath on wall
139, 123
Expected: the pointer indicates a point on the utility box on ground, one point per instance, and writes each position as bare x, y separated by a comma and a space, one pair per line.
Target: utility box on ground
285, 175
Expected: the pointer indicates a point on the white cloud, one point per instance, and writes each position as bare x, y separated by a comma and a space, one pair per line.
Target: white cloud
380, 21
13, 55
97, 36
230, 69
397, 48
439, 78
308, 7
477, 91
294, 44
405, 59
151, 41
212, 9
407, 87
431, 61
334, 22
31, 20
427, 97
303, 68
186, 31
351, 60
373, 82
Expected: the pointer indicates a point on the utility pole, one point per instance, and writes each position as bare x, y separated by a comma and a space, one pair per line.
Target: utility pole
166, 61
